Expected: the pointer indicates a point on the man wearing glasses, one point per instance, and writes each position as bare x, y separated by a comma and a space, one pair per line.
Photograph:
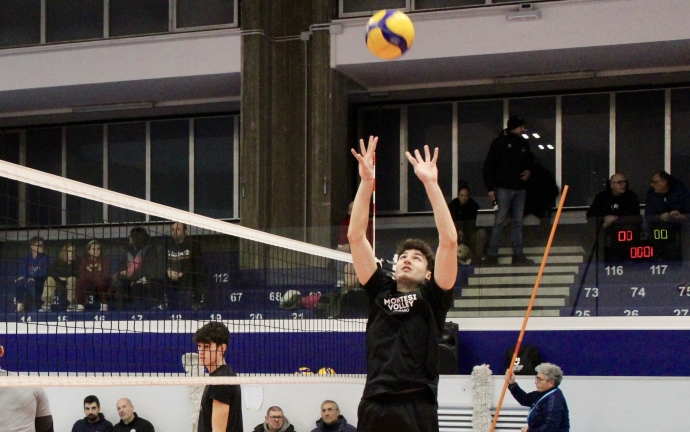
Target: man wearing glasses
275, 422
616, 204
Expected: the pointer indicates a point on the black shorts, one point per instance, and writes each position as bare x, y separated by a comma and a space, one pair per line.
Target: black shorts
410, 413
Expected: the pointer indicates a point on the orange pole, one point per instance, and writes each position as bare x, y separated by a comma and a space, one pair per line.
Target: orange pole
531, 302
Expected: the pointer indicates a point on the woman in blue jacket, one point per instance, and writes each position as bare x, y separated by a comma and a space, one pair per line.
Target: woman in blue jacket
31, 275
548, 409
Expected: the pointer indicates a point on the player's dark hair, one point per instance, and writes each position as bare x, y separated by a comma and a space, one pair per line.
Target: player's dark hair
213, 332
420, 245
35, 240
91, 399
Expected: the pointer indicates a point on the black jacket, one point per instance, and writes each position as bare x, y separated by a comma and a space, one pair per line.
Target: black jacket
340, 426
464, 215
261, 427
137, 425
509, 155
607, 204
102, 425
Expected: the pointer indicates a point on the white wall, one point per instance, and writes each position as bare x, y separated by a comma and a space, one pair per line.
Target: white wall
597, 404
484, 31
117, 60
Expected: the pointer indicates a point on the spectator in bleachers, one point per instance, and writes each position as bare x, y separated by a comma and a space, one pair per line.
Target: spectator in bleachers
507, 168
667, 199
94, 276
25, 409
185, 270
61, 282
95, 420
275, 422
549, 411
137, 283
616, 204
332, 420
31, 274
464, 211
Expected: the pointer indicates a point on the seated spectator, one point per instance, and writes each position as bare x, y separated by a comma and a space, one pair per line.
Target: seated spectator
667, 199
61, 281
129, 420
275, 422
185, 272
331, 420
94, 276
31, 274
616, 204
138, 281
463, 210
95, 420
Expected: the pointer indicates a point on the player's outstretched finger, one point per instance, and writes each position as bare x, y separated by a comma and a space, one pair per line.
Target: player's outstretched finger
418, 156
435, 155
362, 147
427, 155
409, 157
373, 140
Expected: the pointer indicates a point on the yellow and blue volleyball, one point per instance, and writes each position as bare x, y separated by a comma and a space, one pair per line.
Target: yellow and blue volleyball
390, 34
304, 371
326, 371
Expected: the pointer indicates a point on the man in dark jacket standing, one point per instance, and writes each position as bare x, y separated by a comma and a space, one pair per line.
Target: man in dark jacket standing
94, 420
129, 420
331, 420
508, 165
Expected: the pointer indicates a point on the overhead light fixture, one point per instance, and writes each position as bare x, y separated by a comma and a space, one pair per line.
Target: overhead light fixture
112, 107
525, 136
549, 146
536, 135
541, 147
558, 76
525, 12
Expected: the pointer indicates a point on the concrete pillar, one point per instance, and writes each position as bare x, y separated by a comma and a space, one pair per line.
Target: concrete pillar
293, 144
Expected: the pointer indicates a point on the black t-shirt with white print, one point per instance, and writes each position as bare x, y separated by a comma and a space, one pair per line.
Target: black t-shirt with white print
403, 331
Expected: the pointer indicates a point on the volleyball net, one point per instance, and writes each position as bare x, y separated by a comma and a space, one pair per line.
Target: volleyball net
98, 284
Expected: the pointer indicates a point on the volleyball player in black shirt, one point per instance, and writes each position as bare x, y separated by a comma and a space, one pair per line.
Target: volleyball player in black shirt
406, 314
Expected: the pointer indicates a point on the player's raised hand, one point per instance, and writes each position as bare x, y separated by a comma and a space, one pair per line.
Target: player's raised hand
366, 158
425, 169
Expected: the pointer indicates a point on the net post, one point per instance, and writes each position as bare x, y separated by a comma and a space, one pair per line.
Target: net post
531, 302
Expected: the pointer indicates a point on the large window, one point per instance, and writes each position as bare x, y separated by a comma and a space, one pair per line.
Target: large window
26, 22
385, 123
214, 166
73, 20
170, 163
640, 137
430, 124
44, 153
84, 164
479, 123
540, 119
20, 22
189, 163
680, 135
586, 125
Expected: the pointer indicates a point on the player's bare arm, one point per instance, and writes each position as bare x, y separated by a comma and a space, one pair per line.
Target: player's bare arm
220, 416
362, 253
425, 169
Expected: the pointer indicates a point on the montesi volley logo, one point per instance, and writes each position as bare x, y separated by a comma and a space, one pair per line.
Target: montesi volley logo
400, 304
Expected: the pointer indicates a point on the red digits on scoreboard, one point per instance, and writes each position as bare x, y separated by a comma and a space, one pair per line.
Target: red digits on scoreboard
641, 252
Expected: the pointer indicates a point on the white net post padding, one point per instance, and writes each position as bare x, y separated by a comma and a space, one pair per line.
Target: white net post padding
190, 361
482, 390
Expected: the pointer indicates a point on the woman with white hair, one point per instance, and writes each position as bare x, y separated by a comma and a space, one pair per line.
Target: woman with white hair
548, 409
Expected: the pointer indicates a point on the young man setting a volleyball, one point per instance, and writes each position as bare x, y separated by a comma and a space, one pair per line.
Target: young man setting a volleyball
407, 314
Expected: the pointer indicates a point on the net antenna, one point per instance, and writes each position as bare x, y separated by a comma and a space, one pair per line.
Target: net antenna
373, 197
531, 301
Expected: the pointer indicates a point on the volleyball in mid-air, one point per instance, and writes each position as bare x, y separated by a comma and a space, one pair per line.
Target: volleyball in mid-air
390, 34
